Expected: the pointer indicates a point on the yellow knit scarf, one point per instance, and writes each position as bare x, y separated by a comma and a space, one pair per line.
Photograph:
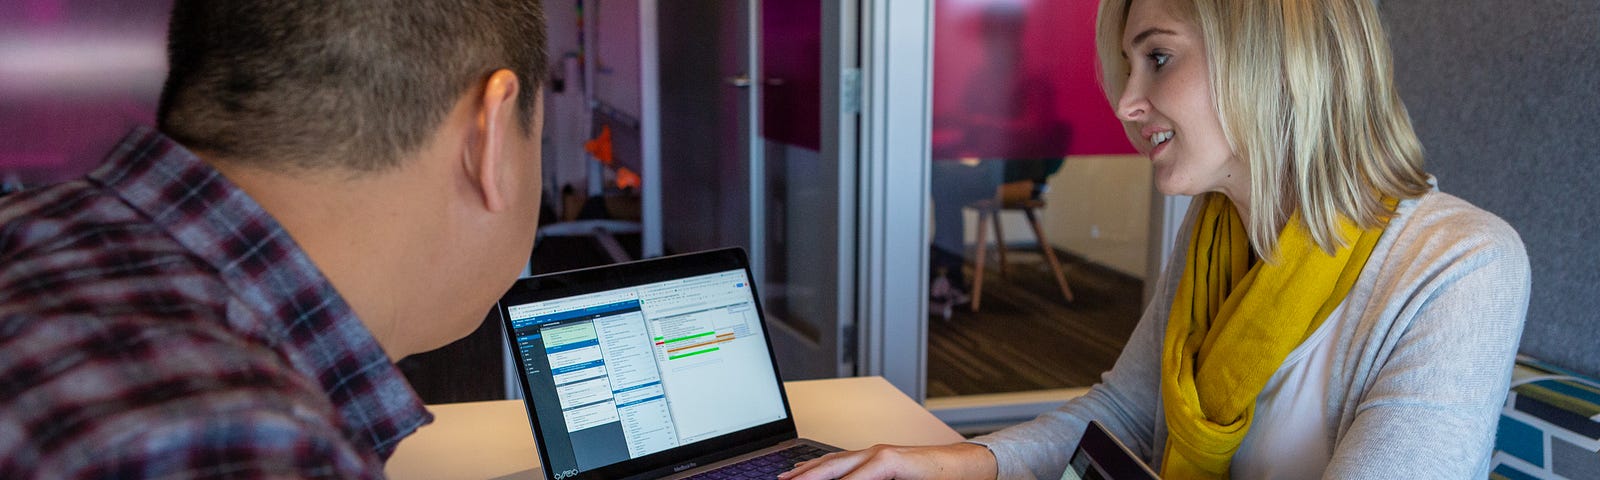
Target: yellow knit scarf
1232, 325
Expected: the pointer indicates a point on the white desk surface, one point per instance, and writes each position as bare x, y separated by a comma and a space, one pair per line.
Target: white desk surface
492, 439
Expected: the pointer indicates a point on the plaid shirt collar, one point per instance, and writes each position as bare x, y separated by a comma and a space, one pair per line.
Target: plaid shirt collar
294, 307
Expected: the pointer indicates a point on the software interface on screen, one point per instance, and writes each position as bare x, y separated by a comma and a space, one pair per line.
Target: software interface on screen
625, 373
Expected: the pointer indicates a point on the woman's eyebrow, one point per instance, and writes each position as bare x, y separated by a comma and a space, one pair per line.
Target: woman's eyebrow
1142, 36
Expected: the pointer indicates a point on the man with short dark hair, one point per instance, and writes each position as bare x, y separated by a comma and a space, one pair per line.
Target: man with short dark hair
336, 184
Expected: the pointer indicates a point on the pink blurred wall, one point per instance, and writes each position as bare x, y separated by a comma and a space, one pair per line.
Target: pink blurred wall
75, 75
791, 60
1016, 79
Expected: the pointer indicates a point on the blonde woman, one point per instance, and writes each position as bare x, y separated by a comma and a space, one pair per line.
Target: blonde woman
1328, 313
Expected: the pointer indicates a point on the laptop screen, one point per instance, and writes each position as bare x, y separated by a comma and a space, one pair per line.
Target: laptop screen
622, 373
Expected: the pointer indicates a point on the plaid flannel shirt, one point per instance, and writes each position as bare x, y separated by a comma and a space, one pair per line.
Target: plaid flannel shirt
156, 322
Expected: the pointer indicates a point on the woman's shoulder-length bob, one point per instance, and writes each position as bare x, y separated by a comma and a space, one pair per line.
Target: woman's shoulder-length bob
1306, 96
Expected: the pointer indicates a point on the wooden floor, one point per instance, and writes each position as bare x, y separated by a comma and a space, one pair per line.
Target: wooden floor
1027, 337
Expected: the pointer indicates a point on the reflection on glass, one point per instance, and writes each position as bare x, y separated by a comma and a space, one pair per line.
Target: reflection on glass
1000, 126
1024, 292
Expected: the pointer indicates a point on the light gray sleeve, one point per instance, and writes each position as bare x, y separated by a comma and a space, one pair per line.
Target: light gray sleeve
1441, 377
1125, 401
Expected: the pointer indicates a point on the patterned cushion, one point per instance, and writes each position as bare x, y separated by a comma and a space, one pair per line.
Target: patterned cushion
1550, 427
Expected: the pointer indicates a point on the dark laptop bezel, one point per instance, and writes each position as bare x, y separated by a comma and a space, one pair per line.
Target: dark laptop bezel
1114, 458
631, 274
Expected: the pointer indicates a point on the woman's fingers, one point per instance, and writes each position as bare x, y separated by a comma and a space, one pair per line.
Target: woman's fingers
830, 466
882, 462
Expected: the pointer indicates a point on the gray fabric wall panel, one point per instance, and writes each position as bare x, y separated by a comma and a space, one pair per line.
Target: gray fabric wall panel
1506, 98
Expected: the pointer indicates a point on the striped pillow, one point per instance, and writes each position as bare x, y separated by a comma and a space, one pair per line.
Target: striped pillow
1550, 427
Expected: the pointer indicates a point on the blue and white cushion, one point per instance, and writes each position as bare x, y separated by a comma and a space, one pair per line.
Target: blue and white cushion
1550, 427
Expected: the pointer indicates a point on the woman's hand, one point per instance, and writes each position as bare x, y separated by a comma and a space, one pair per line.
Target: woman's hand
960, 460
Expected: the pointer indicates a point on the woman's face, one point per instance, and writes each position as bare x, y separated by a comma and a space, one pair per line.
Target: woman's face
1167, 106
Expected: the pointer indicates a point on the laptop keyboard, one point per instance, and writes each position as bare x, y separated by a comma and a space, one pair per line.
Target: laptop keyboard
765, 466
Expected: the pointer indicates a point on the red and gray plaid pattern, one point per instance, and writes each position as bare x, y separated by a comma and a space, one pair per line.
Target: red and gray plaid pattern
156, 322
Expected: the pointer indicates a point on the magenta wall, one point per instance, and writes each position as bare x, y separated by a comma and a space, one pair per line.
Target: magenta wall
1012, 79
75, 75
1016, 79
791, 60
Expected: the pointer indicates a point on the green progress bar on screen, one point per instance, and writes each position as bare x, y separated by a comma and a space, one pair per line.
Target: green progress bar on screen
691, 354
697, 335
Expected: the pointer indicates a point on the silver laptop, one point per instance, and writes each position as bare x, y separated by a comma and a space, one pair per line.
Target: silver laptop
658, 368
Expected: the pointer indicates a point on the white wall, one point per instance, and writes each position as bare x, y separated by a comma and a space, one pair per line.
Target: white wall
1098, 207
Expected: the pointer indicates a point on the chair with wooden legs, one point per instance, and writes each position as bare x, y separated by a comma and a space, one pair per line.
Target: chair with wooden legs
1013, 196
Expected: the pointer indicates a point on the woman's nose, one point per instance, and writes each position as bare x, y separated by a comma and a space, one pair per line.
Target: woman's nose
1132, 106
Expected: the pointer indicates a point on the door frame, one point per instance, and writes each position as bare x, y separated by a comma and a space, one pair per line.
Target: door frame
649, 129
892, 305
840, 131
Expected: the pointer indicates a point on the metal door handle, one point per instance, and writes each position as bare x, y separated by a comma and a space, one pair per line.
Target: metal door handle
741, 81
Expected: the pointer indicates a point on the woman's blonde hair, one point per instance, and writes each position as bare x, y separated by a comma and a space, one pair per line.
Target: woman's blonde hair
1306, 96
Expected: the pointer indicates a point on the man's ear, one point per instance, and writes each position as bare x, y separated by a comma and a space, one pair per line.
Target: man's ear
495, 118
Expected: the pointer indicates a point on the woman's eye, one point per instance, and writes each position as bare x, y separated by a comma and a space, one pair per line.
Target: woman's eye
1160, 59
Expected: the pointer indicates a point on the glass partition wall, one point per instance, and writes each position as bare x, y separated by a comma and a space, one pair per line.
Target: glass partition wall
1040, 208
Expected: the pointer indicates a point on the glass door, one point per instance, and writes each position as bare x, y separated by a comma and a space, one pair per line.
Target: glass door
747, 160
1041, 213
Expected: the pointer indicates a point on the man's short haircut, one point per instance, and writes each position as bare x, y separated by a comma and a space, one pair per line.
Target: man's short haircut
347, 84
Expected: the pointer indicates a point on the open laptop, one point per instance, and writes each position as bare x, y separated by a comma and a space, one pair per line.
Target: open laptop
658, 368
1100, 456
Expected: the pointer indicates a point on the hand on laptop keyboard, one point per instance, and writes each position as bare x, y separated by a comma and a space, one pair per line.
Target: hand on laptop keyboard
765, 466
882, 462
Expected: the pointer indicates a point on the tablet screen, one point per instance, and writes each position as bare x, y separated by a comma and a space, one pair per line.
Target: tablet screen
1100, 456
